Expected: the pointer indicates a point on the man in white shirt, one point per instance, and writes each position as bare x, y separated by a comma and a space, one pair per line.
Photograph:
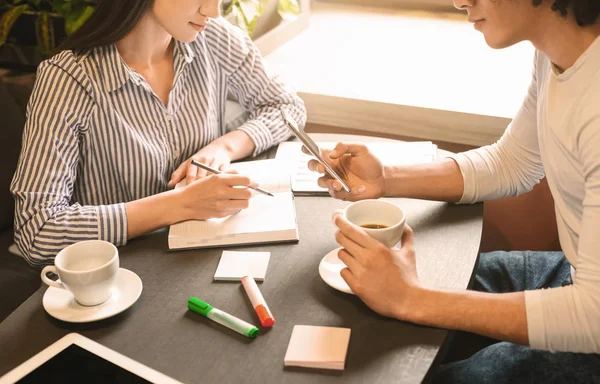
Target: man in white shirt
544, 307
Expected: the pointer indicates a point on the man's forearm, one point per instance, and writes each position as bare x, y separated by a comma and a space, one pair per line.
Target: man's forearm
441, 181
500, 316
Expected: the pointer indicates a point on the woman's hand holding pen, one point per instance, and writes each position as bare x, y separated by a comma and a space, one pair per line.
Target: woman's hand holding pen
215, 196
213, 155
362, 171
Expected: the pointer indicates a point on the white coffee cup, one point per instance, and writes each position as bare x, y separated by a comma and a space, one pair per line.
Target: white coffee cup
380, 212
87, 269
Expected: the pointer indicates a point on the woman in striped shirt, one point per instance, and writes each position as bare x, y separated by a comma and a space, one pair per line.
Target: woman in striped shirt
116, 117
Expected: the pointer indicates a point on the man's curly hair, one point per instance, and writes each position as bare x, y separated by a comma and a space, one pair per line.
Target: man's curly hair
585, 11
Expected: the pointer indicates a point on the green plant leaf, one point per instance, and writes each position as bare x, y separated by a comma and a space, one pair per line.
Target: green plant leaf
288, 9
252, 26
240, 19
44, 31
251, 11
228, 7
76, 19
60, 6
8, 20
243, 13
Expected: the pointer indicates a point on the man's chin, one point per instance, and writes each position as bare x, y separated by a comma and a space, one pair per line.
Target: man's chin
496, 42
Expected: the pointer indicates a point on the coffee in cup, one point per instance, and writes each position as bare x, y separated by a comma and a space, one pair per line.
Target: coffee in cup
87, 269
374, 226
380, 219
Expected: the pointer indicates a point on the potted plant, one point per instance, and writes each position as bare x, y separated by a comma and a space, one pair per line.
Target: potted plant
31, 29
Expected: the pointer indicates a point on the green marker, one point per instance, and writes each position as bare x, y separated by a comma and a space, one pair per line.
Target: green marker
222, 318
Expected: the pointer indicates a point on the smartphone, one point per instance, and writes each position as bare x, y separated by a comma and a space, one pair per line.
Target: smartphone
312, 147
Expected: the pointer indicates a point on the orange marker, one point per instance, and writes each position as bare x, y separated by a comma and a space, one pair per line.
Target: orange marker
258, 302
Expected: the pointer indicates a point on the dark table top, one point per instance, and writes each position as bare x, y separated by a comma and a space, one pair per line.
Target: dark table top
160, 332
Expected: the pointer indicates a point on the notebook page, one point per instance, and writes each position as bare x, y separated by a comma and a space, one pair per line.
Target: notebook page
270, 175
264, 214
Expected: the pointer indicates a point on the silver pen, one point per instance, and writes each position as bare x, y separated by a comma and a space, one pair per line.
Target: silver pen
216, 171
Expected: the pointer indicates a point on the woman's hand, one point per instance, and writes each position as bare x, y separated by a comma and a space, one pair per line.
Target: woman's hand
385, 279
360, 169
213, 155
215, 196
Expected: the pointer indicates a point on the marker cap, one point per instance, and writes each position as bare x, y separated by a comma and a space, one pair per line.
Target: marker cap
199, 306
265, 316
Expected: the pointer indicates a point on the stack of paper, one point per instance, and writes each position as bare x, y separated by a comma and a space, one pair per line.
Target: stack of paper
318, 347
304, 181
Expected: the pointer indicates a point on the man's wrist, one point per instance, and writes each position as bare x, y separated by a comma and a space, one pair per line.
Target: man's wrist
388, 177
415, 305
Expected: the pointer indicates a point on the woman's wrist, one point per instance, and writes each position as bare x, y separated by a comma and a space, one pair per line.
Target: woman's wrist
180, 210
237, 145
223, 146
156, 211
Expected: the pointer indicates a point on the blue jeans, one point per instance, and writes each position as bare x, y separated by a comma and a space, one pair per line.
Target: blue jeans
503, 362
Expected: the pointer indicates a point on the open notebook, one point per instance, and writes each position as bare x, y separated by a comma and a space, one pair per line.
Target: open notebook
304, 181
267, 220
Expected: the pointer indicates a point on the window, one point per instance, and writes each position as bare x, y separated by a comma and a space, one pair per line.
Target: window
415, 4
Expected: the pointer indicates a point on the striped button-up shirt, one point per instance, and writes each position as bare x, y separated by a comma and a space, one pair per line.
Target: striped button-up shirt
97, 136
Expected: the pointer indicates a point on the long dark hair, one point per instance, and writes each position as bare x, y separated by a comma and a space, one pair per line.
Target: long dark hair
110, 22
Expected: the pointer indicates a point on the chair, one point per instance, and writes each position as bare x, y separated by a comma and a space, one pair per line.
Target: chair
526, 222
18, 280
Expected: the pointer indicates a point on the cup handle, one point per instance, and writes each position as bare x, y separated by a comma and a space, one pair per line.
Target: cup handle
52, 283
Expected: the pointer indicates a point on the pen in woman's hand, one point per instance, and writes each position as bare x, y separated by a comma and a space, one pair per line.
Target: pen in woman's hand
216, 171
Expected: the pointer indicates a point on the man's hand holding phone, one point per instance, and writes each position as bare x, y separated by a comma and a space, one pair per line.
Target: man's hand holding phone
350, 171
360, 169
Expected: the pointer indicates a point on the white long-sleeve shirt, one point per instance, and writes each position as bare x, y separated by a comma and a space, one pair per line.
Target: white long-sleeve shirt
556, 132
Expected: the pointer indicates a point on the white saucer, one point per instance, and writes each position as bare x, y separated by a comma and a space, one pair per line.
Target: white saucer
329, 269
60, 303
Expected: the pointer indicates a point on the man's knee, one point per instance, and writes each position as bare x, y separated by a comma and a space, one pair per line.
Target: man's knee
494, 364
496, 272
512, 363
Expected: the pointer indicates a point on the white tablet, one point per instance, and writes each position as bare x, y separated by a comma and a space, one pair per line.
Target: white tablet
77, 359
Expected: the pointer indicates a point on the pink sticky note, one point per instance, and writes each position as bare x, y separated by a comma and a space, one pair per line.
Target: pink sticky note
318, 347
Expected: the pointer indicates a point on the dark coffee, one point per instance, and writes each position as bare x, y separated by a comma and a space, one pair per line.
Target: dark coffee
374, 226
